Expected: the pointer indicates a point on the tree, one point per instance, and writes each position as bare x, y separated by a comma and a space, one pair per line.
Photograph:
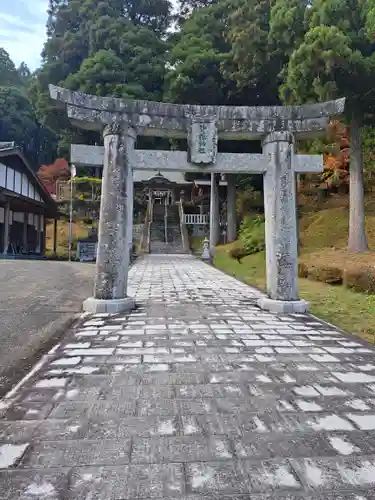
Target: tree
18, 123
262, 36
8, 72
186, 7
152, 14
50, 174
336, 59
102, 74
115, 48
196, 75
24, 74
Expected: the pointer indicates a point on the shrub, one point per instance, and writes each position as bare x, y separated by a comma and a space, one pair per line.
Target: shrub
326, 274
252, 234
360, 280
238, 253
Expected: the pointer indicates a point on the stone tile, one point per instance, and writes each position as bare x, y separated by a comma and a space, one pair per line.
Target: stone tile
78, 453
11, 454
42, 484
209, 391
196, 384
127, 482
18, 431
216, 477
131, 426
336, 473
27, 411
70, 410
365, 422
60, 430
280, 445
180, 449
156, 392
266, 476
112, 409
163, 407
173, 378
308, 421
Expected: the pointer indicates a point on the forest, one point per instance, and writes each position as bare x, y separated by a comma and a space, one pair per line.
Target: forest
232, 52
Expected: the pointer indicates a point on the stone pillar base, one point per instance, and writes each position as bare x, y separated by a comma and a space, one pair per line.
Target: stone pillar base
283, 306
206, 255
93, 305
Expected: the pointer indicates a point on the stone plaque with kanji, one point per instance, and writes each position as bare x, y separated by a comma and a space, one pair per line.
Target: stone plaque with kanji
203, 142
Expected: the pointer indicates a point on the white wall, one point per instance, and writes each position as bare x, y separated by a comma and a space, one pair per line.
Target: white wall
18, 183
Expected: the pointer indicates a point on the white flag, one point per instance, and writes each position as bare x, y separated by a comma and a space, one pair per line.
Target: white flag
73, 171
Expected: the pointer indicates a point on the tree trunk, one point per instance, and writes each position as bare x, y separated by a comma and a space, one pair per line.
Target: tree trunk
357, 231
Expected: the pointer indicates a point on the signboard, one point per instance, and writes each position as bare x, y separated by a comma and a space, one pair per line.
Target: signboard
86, 251
202, 141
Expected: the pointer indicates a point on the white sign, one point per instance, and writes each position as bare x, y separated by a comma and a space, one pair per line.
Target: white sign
86, 251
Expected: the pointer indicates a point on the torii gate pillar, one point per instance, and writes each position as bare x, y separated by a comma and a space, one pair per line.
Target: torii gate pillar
281, 226
112, 263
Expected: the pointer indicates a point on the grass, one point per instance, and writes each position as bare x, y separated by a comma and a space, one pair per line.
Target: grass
80, 230
353, 312
324, 238
329, 229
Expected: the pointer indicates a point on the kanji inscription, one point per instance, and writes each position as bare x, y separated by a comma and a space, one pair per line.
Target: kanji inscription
203, 142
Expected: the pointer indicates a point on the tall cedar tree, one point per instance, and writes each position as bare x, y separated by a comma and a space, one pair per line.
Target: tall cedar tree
336, 59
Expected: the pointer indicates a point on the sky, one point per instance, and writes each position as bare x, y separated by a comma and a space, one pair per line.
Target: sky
22, 29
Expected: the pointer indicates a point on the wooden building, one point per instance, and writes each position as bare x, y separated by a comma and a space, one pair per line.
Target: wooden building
24, 205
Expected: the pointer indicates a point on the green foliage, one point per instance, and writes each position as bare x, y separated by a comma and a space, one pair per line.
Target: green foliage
252, 234
368, 148
18, 123
24, 74
248, 201
88, 180
262, 35
335, 58
186, 7
313, 67
8, 73
87, 188
197, 56
115, 48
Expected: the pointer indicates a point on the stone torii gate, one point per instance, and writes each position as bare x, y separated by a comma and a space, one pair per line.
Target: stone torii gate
122, 120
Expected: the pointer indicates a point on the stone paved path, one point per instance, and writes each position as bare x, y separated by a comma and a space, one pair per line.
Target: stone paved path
197, 393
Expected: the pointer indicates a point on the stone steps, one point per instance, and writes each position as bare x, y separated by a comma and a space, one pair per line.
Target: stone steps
174, 237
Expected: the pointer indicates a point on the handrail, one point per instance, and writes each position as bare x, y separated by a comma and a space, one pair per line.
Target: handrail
144, 243
165, 223
196, 219
151, 217
183, 229
201, 219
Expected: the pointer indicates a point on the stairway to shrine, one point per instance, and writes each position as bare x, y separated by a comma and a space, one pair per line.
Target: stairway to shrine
165, 236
